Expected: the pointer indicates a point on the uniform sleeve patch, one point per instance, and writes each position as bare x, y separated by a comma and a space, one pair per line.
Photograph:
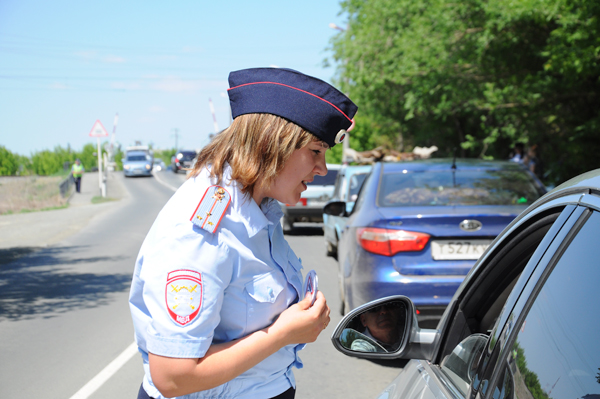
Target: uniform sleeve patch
212, 207
183, 295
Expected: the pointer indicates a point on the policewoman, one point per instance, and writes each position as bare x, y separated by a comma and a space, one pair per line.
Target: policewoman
216, 297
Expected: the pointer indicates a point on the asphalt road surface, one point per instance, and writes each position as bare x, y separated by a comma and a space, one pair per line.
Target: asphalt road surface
65, 327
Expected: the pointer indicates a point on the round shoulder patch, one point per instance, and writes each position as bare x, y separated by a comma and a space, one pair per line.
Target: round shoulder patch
183, 295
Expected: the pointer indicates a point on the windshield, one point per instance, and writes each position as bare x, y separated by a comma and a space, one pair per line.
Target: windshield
133, 158
468, 187
327, 180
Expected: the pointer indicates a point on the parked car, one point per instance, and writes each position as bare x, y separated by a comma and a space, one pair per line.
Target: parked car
347, 184
418, 227
183, 160
310, 207
137, 163
523, 323
159, 165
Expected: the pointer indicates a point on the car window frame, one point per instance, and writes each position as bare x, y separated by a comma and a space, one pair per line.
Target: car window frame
531, 290
565, 207
360, 198
337, 186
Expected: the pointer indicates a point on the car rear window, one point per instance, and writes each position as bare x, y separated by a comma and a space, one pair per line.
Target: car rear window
187, 156
463, 187
327, 180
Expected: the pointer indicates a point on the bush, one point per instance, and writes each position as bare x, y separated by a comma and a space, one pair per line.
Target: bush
9, 164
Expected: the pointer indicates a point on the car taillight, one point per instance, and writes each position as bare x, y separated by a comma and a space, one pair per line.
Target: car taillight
390, 242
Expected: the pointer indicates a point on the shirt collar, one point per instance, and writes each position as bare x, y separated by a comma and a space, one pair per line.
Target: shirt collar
255, 218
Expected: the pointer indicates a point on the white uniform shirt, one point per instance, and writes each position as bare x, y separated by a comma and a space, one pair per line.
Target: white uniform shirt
229, 284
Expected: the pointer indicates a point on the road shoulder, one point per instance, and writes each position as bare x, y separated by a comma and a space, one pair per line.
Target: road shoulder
23, 233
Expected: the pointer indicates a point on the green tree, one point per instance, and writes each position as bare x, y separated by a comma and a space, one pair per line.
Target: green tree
48, 162
165, 155
9, 164
477, 76
45, 163
88, 156
25, 166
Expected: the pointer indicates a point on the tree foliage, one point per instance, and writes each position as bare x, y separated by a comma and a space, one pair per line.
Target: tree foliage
8, 162
476, 77
46, 162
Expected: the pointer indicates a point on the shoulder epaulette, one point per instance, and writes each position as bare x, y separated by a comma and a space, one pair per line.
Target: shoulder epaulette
211, 208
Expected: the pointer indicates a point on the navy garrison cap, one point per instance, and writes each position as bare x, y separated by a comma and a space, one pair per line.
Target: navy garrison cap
308, 102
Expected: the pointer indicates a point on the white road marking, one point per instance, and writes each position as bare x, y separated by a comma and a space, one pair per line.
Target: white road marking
158, 179
108, 371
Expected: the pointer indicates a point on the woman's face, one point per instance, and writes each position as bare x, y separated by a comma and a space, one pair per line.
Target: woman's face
300, 169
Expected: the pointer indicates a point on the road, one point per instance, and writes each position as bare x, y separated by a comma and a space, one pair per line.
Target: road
65, 326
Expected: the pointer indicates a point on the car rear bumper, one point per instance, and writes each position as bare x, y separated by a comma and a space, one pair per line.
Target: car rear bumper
375, 276
137, 172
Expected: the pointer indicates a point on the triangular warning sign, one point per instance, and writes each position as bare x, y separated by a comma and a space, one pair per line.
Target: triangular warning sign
98, 130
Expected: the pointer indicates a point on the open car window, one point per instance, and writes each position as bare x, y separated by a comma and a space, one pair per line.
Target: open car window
478, 310
561, 321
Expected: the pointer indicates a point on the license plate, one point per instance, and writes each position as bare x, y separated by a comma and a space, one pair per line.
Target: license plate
458, 249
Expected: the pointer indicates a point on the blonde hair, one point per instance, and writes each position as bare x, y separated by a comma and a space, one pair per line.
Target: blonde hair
256, 146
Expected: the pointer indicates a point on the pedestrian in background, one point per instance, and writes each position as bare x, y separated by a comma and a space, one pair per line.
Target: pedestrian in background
216, 297
533, 161
518, 153
77, 171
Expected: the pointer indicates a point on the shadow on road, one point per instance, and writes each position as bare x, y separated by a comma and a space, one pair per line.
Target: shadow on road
35, 285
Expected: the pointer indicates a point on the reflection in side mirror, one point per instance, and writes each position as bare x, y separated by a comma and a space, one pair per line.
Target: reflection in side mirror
335, 208
381, 327
386, 328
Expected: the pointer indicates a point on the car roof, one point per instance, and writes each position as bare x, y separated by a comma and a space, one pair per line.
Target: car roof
351, 169
589, 180
446, 164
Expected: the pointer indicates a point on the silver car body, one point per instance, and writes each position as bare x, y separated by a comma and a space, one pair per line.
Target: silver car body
347, 184
540, 322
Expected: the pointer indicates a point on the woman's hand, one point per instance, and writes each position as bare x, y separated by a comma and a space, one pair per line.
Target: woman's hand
301, 323
298, 324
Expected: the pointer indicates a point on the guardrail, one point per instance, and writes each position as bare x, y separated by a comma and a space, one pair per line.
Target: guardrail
66, 185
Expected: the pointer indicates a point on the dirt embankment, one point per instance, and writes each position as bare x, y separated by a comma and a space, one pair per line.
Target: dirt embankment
30, 193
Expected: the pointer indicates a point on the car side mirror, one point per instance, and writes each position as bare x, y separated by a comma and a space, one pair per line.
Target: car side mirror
386, 328
335, 208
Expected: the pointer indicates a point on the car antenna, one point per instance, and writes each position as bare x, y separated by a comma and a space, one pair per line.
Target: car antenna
453, 167
454, 160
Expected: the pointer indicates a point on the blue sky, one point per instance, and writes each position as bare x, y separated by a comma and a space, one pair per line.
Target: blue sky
65, 64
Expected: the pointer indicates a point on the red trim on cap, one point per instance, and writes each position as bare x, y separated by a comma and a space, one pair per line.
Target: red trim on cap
295, 88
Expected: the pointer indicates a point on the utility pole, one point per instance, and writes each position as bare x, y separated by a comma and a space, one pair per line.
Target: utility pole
176, 134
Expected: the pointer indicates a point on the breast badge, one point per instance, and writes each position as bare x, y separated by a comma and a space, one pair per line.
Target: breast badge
183, 295
212, 207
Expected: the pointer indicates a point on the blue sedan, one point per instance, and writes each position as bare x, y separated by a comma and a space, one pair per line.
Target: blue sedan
418, 227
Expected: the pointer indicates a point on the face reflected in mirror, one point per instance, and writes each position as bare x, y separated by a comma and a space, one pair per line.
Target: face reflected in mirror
382, 323
378, 329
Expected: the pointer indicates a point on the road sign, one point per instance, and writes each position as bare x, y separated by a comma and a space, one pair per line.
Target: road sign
98, 130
